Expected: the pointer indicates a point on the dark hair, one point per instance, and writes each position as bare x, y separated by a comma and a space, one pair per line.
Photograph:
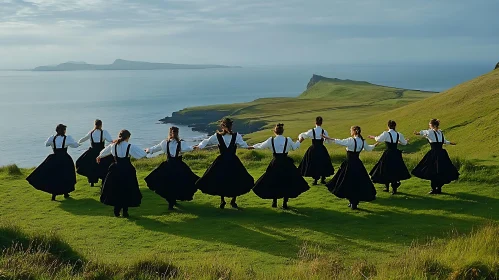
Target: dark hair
174, 134
60, 129
97, 124
318, 120
122, 136
392, 124
226, 126
357, 130
279, 129
435, 122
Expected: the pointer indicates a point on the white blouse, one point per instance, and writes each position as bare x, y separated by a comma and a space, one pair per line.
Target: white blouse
385, 137
96, 136
213, 140
135, 151
430, 135
350, 144
173, 147
70, 142
279, 142
310, 133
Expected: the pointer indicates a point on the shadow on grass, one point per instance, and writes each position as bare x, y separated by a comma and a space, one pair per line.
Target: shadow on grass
282, 233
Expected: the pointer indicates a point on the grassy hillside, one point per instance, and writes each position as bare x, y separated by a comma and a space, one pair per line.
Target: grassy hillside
468, 114
257, 240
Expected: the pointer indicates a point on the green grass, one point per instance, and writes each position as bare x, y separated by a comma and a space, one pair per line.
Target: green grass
320, 238
258, 237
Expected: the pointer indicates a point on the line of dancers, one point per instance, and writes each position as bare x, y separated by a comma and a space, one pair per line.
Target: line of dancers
227, 177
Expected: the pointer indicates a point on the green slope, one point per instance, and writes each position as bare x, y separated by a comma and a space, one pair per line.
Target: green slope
469, 115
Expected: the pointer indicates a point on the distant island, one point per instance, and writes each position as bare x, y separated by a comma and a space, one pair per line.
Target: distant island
120, 64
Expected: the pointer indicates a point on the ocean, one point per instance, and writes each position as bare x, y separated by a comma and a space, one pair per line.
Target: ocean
33, 103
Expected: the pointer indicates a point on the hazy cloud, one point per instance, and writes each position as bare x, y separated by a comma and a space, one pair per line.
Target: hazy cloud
34, 32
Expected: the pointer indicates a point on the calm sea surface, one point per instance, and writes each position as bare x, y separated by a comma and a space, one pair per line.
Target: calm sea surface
32, 103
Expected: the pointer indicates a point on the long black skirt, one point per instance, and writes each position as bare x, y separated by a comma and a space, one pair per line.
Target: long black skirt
316, 163
226, 177
436, 166
281, 179
86, 165
56, 175
390, 168
173, 180
352, 182
121, 188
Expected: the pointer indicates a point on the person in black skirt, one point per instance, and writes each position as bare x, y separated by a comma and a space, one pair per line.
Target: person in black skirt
56, 175
226, 176
352, 180
121, 188
390, 168
86, 164
436, 165
281, 179
316, 162
173, 179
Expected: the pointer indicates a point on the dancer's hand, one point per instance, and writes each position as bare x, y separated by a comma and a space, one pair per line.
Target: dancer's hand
195, 147
97, 159
416, 132
453, 143
371, 137
251, 148
301, 139
326, 137
146, 150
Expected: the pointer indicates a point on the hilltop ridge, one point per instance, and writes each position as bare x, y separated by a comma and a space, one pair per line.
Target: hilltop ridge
121, 64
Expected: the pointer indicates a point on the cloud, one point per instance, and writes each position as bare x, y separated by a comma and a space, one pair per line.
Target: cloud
245, 31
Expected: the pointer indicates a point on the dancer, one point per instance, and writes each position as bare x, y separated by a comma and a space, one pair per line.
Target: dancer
281, 179
121, 188
226, 176
352, 181
173, 179
436, 165
390, 168
86, 164
316, 162
56, 175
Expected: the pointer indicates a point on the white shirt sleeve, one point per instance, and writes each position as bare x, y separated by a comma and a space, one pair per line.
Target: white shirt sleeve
343, 142
267, 144
381, 137
137, 152
184, 147
157, 148
212, 140
240, 142
107, 136
85, 138
368, 147
402, 139
293, 145
107, 151
70, 142
305, 135
49, 141
424, 132
447, 142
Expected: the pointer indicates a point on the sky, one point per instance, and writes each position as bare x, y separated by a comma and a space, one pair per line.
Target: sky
248, 32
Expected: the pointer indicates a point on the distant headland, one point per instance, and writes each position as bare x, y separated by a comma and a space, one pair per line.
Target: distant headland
120, 64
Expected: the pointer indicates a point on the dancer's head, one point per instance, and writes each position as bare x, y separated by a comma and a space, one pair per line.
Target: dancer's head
174, 134
434, 123
356, 131
318, 121
392, 124
60, 129
124, 135
279, 129
97, 124
226, 126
